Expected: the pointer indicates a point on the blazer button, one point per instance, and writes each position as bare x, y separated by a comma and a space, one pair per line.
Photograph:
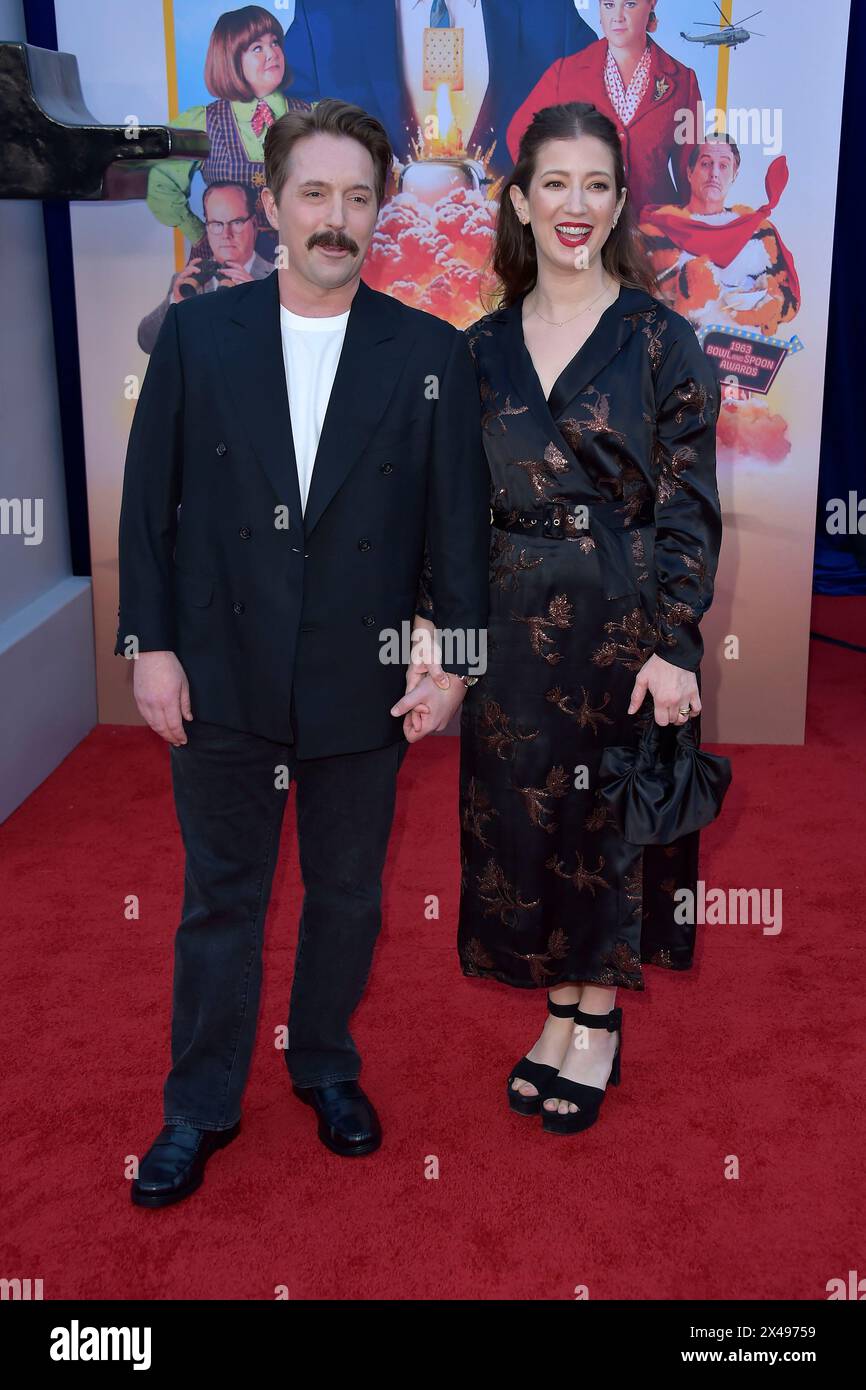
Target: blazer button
221, 448
386, 468
245, 533
368, 620
237, 608
363, 543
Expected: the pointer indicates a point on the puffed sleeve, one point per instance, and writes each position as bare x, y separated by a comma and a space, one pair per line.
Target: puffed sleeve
688, 514
170, 180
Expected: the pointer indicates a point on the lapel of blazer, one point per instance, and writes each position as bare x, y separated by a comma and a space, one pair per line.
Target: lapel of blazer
250, 350
613, 330
251, 354
665, 70
374, 351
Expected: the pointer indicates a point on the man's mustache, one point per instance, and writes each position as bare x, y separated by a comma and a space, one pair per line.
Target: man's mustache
336, 239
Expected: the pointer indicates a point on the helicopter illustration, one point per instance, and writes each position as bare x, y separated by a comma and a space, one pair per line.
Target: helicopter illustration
730, 35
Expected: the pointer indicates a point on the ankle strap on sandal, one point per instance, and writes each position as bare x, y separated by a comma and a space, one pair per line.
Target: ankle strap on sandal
611, 1021
560, 1010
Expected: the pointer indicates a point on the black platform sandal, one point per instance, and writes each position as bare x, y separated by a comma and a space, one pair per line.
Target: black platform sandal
588, 1099
538, 1074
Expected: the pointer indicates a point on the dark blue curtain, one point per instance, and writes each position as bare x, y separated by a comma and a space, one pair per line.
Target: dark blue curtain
840, 561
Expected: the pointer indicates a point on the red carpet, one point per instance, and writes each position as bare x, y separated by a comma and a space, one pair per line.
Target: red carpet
756, 1053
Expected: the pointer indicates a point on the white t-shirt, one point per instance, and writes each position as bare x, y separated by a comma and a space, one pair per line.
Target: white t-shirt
311, 354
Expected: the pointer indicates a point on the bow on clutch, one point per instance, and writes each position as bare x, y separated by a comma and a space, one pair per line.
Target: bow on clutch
665, 787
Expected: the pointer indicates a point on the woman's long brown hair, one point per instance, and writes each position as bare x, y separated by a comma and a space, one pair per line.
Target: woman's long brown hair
513, 259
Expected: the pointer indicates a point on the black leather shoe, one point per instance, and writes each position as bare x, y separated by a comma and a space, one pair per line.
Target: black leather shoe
348, 1124
174, 1165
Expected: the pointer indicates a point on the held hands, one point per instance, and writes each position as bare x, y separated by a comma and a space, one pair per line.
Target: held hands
161, 692
432, 696
672, 690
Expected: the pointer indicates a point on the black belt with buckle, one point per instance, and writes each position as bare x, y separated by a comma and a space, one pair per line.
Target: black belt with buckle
555, 519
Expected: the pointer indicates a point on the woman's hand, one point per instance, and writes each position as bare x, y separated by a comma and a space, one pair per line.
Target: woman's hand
672, 690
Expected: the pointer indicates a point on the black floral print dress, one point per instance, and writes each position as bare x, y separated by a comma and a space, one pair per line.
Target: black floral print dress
605, 537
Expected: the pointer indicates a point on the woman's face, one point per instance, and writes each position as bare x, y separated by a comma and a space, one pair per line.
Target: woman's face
263, 64
624, 22
572, 201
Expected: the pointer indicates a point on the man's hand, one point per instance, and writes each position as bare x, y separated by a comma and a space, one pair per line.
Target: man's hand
161, 692
671, 688
234, 273
186, 277
428, 708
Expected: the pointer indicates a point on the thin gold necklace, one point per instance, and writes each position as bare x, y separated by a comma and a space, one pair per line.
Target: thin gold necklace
553, 323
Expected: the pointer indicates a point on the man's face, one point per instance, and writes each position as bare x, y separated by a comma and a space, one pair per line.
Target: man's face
225, 207
713, 173
327, 209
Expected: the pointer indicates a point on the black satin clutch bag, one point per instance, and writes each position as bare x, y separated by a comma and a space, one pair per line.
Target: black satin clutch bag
665, 787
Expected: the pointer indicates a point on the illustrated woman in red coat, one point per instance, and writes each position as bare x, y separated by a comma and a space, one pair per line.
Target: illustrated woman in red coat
638, 86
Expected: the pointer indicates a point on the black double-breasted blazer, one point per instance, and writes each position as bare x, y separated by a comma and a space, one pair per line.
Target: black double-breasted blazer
277, 616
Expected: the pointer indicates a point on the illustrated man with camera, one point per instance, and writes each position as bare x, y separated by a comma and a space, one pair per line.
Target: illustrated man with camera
231, 230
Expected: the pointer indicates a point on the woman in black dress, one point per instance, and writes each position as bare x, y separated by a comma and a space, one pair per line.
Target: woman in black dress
599, 412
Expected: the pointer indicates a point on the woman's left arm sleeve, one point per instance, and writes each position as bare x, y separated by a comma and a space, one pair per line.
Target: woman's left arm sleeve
688, 514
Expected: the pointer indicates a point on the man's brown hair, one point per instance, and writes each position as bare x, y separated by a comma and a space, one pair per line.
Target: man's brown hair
329, 117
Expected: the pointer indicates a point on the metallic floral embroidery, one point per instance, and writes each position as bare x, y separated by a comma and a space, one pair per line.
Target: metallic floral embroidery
638, 556
636, 631
633, 884
621, 966
573, 430
580, 877
670, 466
674, 614
557, 949
543, 474
695, 397
653, 334
477, 810
538, 799
662, 957
476, 958
631, 485
507, 563
500, 897
586, 716
559, 615
600, 816
478, 331
696, 565
491, 412
494, 729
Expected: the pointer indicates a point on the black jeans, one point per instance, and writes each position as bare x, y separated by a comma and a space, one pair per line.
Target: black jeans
230, 791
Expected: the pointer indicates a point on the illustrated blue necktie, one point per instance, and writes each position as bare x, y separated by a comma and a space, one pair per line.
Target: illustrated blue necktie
439, 16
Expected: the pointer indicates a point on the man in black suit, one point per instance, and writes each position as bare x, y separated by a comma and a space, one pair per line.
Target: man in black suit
370, 53
297, 443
